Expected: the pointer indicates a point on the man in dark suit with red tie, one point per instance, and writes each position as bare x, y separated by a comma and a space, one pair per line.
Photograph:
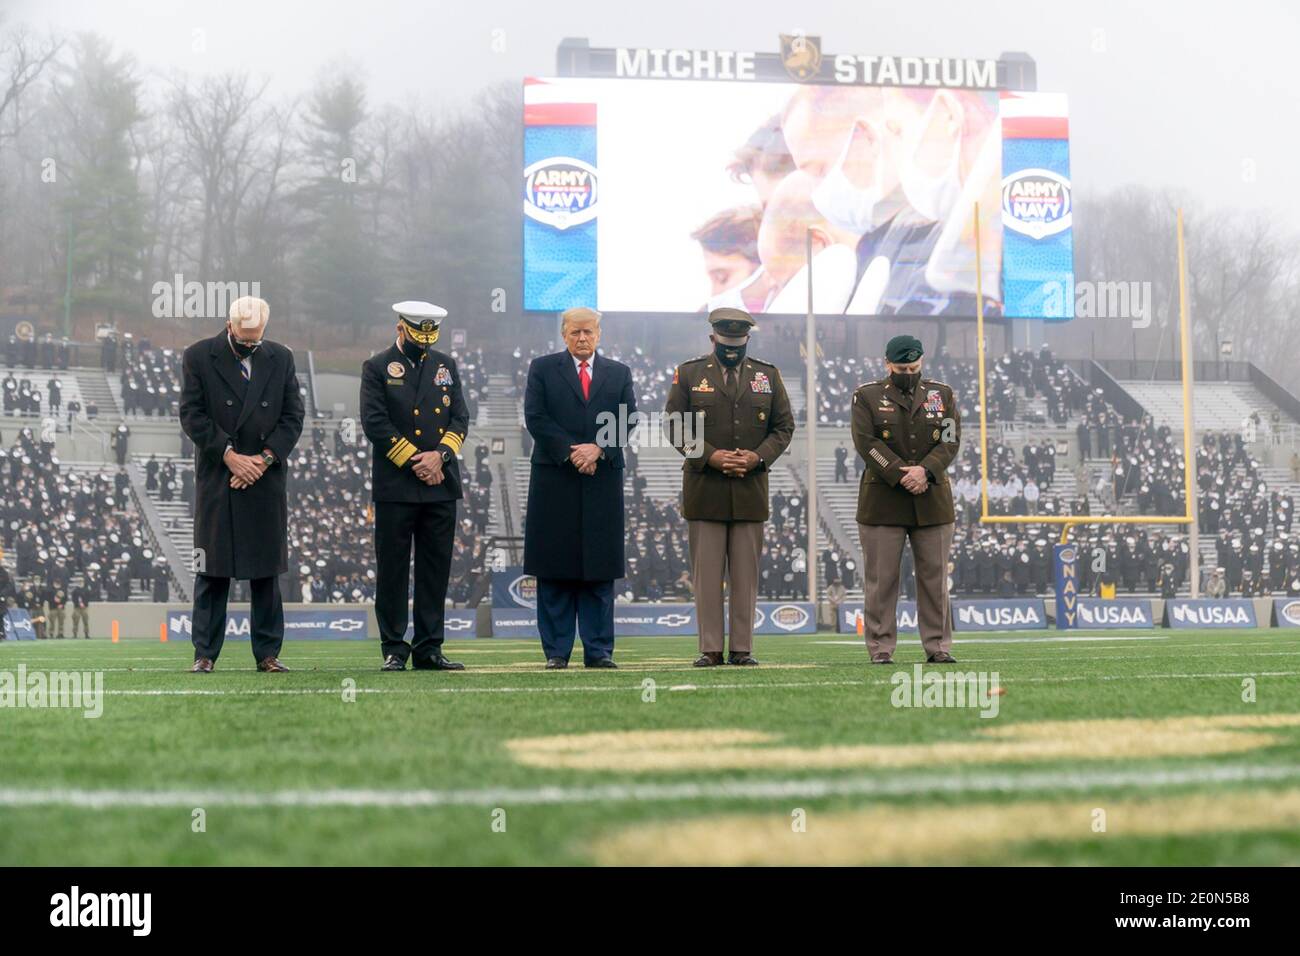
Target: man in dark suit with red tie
577, 408
242, 408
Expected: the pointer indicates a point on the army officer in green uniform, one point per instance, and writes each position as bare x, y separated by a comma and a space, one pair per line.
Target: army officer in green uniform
907, 429
747, 424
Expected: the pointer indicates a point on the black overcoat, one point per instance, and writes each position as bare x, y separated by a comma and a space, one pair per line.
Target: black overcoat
573, 529
240, 533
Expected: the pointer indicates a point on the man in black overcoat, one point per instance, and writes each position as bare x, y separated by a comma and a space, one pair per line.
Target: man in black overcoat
579, 408
242, 408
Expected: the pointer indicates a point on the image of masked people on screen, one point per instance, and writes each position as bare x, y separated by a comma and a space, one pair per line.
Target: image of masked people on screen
870, 153
789, 216
729, 243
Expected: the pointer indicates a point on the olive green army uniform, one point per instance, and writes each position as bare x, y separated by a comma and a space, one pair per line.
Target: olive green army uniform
748, 410
891, 431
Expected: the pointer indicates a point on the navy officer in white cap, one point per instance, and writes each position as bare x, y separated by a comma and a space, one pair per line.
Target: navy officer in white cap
414, 413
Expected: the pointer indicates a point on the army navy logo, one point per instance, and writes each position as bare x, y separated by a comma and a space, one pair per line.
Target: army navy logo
560, 192
396, 369
1289, 613
789, 617
524, 590
801, 55
1036, 203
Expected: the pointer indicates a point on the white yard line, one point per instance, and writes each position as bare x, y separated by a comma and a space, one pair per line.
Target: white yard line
893, 785
637, 688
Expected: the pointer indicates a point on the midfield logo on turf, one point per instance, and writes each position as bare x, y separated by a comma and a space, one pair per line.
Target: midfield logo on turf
947, 688
66, 690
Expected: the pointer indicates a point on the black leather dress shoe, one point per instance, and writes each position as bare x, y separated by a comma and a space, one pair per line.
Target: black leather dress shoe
941, 658
556, 664
742, 660
606, 662
393, 663
882, 660
709, 660
436, 663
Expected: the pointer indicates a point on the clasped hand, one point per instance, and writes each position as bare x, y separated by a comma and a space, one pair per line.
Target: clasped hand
427, 466
584, 457
244, 469
915, 479
736, 463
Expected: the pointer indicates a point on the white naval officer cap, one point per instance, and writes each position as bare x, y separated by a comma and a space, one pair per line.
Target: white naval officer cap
420, 319
415, 310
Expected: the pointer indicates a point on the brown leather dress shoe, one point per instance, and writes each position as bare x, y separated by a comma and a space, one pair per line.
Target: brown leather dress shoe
201, 666
271, 665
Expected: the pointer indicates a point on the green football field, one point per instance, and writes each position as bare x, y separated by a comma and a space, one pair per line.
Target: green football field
1156, 747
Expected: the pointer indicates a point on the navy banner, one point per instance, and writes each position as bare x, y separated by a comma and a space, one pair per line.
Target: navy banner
1010, 614
1210, 612
905, 614
1100, 614
1065, 559
334, 623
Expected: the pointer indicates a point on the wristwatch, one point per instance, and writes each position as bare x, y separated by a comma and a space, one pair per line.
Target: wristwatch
447, 456
268, 459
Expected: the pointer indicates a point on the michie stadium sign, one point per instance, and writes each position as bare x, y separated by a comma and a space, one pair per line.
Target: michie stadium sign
800, 59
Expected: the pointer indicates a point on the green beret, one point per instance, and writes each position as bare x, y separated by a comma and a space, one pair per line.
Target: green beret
904, 349
728, 321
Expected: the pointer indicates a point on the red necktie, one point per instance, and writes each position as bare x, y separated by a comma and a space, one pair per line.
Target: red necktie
585, 378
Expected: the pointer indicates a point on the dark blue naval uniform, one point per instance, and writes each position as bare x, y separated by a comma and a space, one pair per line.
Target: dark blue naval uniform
408, 407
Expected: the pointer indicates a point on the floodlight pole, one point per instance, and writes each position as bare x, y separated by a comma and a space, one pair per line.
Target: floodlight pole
810, 421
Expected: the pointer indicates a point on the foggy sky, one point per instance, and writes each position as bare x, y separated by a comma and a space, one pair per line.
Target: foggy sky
1188, 95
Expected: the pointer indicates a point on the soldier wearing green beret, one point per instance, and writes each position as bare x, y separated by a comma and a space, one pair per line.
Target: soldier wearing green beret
747, 424
907, 429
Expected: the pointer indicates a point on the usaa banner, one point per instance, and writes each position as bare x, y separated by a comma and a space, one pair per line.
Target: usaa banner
1210, 612
1100, 614
1012, 614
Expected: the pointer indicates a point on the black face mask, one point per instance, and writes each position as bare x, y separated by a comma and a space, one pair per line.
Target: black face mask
412, 349
729, 355
905, 381
243, 349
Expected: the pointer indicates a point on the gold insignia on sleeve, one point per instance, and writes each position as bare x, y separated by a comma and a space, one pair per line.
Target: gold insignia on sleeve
401, 452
